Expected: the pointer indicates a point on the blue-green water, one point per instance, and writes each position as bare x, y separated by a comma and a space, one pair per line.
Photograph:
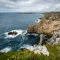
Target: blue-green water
18, 22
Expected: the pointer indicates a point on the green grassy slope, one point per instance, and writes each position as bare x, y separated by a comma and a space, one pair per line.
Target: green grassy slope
28, 55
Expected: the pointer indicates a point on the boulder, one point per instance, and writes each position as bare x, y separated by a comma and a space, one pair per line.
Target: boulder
12, 33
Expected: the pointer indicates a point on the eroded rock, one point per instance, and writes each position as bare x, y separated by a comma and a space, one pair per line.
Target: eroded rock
12, 33
47, 25
55, 39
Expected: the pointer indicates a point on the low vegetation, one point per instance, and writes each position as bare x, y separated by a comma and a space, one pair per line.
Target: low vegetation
25, 54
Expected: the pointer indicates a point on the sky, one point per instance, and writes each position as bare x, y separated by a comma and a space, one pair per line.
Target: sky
29, 5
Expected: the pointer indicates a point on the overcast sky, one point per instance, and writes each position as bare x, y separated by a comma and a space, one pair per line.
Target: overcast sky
29, 5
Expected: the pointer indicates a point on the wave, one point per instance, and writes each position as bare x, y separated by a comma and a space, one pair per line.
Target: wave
37, 49
26, 46
19, 32
32, 34
37, 21
6, 49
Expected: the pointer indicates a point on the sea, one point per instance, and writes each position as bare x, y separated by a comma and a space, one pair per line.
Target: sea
19, 23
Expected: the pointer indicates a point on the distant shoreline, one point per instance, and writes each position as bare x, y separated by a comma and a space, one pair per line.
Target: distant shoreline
29, 12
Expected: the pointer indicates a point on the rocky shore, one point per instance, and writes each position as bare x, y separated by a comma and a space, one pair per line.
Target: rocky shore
49, 25
48, 31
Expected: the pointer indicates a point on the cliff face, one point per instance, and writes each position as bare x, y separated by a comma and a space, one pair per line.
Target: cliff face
55, 39
48, 24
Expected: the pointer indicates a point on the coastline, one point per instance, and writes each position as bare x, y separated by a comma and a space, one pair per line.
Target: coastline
52, 43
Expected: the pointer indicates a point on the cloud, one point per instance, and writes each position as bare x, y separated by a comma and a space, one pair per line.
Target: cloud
29, 5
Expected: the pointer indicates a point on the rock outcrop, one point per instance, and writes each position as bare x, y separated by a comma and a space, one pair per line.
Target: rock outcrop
49, 23
12, 33
55, 39
52, 16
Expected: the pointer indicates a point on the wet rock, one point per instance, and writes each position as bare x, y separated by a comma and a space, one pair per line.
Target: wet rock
12, 33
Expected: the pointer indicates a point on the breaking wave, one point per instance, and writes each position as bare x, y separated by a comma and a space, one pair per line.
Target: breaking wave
6, 49
19, 41
29, 47
19, 32
37, 21
37, 49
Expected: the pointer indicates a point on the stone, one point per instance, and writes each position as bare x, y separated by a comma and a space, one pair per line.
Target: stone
55, 39
41, 39
12, 33
46, 25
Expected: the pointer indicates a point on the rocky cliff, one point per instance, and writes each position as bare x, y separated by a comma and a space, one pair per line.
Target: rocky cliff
49, 23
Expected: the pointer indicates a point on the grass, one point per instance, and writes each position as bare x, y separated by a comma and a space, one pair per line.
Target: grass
54, 51
28, 55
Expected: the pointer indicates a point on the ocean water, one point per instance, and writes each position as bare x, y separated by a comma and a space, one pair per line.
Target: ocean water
16, 22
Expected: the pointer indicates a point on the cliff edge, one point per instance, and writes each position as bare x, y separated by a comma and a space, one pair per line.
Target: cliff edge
48, 24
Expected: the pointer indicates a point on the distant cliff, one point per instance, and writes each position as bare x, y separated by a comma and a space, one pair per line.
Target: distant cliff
49, 23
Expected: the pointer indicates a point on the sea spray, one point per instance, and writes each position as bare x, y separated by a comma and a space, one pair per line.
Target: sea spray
37, 49
6, 49
19, 32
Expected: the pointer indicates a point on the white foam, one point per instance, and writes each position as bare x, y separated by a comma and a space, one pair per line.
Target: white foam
37, 49
37, 21
29, 47
41, 49
6, 49
19, 32
32, 34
